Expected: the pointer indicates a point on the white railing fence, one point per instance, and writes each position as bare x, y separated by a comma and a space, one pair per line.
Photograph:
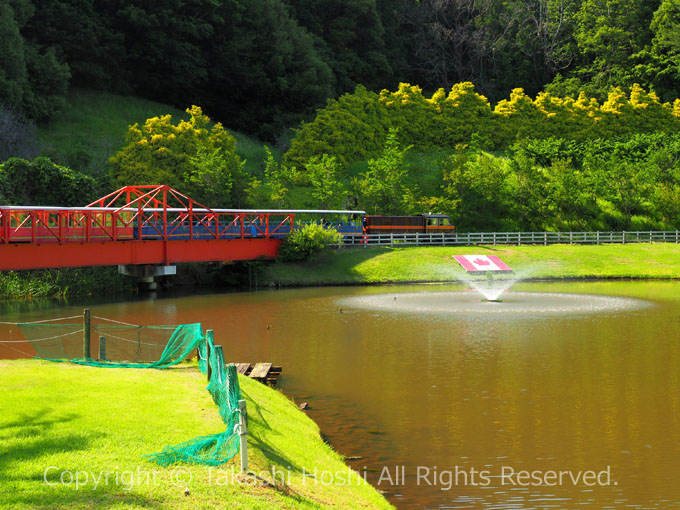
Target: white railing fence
513, 238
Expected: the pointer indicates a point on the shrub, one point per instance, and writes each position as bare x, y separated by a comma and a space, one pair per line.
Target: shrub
306, 242
42, 182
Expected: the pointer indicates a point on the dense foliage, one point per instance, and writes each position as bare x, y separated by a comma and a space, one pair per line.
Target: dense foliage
194, 156
41, 182
355, 126
307, 241
263, 65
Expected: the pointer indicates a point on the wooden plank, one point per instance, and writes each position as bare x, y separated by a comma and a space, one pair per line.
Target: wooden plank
260, 371
242, 368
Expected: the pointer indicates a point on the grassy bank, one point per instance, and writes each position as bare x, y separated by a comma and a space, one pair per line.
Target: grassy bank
434, 264
352, 266
66, 418
77, 281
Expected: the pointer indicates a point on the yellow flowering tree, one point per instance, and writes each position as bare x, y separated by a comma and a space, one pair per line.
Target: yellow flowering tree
194, 156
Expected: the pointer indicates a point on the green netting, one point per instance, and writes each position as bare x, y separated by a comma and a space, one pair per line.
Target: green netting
152, 347
215, 449
121, 346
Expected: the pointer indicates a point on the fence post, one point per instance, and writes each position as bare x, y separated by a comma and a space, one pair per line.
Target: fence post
243, 434
624, 237
597, 237
219, 358
210, 334
102, 348
86, 333
392, 240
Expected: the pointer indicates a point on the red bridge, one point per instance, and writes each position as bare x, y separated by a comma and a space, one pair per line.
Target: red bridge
139, 225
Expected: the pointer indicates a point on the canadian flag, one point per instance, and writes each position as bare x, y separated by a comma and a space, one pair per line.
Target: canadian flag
475, 263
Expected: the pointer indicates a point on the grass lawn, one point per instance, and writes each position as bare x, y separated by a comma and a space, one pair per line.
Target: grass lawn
435, 264
59, 419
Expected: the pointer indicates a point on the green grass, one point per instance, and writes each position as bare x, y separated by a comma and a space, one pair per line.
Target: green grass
93, 127
65, 282
94, 124
94, 420
435, 264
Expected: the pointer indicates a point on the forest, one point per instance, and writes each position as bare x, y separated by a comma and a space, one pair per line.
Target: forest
520, 114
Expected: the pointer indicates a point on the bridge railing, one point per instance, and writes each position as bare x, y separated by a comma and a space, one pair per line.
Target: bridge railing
510, 238
66, 225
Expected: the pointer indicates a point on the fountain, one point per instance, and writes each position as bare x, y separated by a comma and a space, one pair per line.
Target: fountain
497, 300
491, 289
487, 286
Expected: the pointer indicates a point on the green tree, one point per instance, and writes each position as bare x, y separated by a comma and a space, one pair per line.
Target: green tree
353, 40
480, 186
608, 33
273, 190
13, 74
164, 42
48, 81
626, 184
266, 73
658, 65
384, 187
41, 182
32, 79
82, 33
322, 173
572, 201
192, 156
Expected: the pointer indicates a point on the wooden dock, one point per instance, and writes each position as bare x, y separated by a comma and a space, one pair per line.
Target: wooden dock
263, 372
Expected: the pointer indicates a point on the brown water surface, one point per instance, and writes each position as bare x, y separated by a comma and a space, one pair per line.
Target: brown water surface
464, 396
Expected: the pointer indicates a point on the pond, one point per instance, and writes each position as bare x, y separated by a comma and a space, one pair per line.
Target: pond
565, 395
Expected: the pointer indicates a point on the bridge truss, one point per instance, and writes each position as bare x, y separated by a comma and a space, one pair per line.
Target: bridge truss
138, 225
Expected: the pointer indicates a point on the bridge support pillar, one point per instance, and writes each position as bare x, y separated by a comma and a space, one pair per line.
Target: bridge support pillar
146, 274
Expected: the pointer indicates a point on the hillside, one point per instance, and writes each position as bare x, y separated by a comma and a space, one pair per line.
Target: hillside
93, 125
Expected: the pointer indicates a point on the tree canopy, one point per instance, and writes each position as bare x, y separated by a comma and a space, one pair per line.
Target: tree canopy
263, 66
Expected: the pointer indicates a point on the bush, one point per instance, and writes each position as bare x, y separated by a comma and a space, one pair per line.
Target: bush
42, 182
308, 241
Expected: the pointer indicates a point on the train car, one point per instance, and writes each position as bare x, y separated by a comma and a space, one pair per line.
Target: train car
421, 223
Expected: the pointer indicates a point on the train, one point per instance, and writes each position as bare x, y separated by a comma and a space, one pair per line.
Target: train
421, 223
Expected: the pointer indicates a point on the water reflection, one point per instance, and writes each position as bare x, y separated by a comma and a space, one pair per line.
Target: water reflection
574, 391
513, 303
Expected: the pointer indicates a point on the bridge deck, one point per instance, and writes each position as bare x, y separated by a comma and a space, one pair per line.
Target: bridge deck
140, 225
